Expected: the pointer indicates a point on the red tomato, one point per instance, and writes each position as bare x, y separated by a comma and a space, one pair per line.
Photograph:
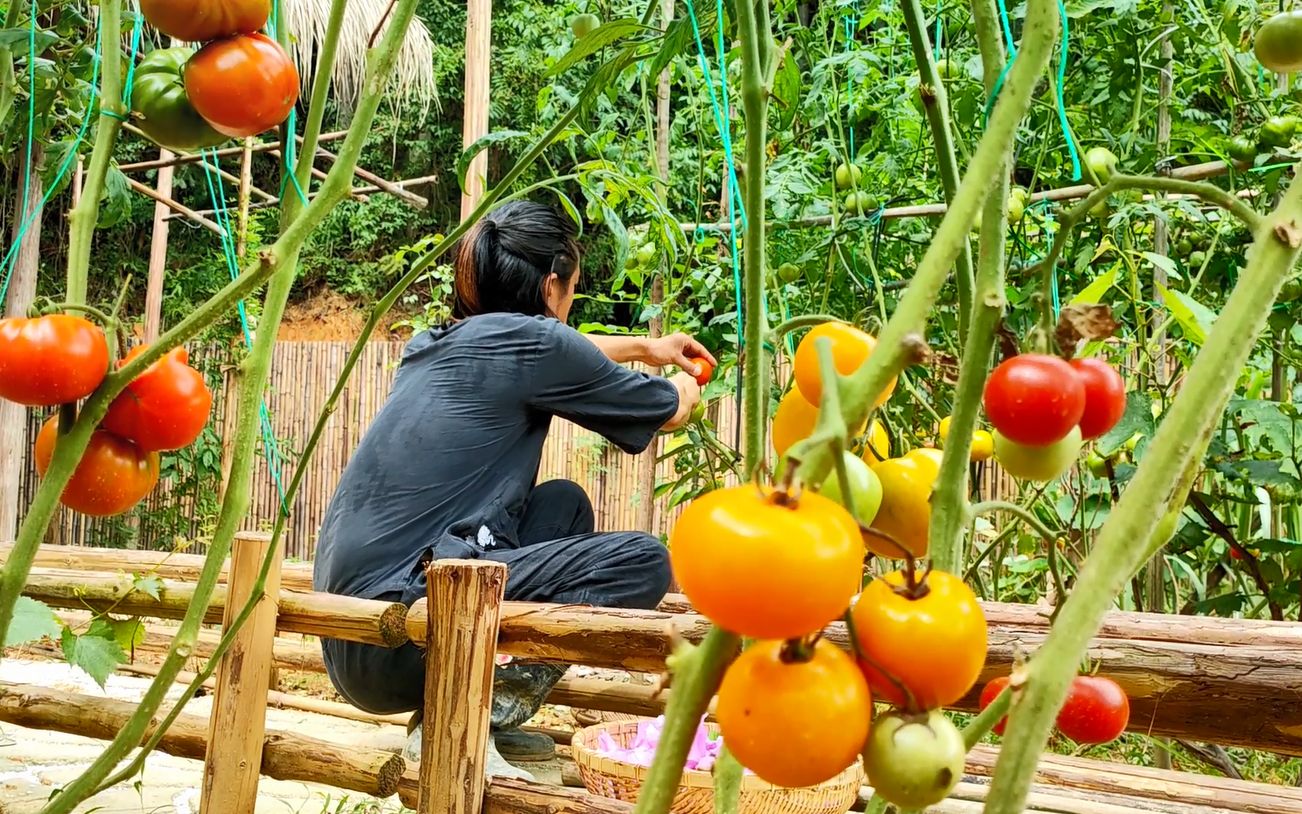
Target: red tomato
166, 407
988, 695
242, 85
1105, 396
113, 474
1034, 399
51, 360
204, 20
1096, 711
704, 368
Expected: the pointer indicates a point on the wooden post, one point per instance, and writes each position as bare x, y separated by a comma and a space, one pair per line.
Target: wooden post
246, 186
465, 600
158, 253
479, 43
21, 292
237, 728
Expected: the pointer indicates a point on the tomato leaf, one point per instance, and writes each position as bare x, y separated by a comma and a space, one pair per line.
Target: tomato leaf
1164, 263
128, 633
481, 144
1282, 486
116, 204
1093, 293
678, 37
1277, 546
1194, 318
786, 90
595, 40
1138, 417
98, 655
17, 39
1077, 322
148, 584
32, 620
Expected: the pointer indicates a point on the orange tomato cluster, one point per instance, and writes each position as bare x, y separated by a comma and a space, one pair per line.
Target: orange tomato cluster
59, 359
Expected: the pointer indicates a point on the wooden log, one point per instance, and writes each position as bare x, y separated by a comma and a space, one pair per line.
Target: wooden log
394, 189
238, 723
609, 696
475, 110
318, 614
285, 755
178, 208
1044, 799
467, 598
194, 158
520, 797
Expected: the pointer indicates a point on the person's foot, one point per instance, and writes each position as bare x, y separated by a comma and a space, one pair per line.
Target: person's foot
531, 747
494, 765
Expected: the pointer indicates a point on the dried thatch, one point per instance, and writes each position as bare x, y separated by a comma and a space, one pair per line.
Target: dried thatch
412, 84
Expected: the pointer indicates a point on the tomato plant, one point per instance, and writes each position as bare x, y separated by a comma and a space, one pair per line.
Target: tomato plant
914, 761
1101, 163
162, 107
581, 25
1096, 710
865, 489
164, 408
928, 639
860, 203
704, 370
242, 85
848, 175
1037, 463
905, 512
988, 695
1034, 399
851, 347
112, 476
1278, 44
204, 20
51, 360
1105, 396
767, 565
794, 421
795, 719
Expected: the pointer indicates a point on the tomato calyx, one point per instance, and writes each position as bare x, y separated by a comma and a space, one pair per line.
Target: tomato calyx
799, 651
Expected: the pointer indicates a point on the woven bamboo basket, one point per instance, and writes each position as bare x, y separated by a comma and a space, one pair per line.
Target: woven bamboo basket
619, 780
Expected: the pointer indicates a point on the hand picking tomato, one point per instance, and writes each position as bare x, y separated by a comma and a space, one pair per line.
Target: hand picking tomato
851, 347
1034, 399
988, 695
1105, 396
113, 475
914, 761
794, 722
934, 646
51, 360
865, 489
1040, 464
704, 370
1096, 710
1278, 44
765, 565
905, 512
242, 85
794, 421
166, 407
163, 110
204, 20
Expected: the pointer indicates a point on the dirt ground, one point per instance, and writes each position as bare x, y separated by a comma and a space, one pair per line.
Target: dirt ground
33, 763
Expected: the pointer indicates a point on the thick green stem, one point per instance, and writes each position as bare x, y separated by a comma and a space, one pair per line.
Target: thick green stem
991, 715
696, 676
898, 341
83, 218
948, 517
280, 260
1147, 509
936, 105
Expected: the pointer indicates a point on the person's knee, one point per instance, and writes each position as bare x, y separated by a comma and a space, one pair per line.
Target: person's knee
650, 559
565, 496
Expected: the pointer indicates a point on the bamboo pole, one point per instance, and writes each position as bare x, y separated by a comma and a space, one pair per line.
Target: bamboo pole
243, 203
325, 615
285, 755
383, 184
179, 208
238, 723
467, 595
479, 44
158, 253
194, 158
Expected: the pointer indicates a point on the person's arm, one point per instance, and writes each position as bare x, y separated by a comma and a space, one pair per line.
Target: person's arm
620, 349
676, 349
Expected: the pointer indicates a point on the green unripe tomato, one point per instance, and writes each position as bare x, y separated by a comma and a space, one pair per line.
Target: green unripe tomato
1278, 44
1242, 149
1291, 291
698, 413
1016, 208
1132, 442
945, 69
865, 488
1277, 131
848, 175
1040, 464
581, 25
1183, 247
1096, 464
1196, 259
914, 761
789, 272
163, 110
1102, 164
860, 203
630, 262
646, 254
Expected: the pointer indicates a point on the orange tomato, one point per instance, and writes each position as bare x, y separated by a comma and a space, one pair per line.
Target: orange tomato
794, 421
879, 443
851, 347
763, 569
905, 513
242, 85
794, 723
112, 476
934, 645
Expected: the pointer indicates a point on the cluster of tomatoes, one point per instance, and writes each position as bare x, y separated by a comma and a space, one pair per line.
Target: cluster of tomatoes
59, 359
1096, 710
1043, 409
857, 201
240, 83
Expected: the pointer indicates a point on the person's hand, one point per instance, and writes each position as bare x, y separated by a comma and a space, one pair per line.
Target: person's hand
678, 349
689, 395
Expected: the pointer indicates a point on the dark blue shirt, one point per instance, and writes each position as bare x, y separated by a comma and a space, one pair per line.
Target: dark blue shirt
447, 464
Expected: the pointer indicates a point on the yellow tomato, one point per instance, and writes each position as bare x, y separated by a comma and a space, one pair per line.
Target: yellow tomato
794, 421
851, 347
943, 433
878, 444
905, 513
983, 446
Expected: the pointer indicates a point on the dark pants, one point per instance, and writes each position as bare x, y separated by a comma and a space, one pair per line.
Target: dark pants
560, 559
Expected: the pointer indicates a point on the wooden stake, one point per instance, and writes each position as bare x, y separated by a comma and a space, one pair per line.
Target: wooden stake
246, 186
479, 43
158, 253
467, 599
239, 714
179, 208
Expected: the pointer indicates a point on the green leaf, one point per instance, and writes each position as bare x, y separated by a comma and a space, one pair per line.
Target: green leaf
481, 144
148, 584
18, 40
1093, 293
786, 91
604, 35
1194, 318
1138, 418
1282, 486
1277, 546
32, 620
570, 209
678, 37
1164, 263
98, 655
116, 204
